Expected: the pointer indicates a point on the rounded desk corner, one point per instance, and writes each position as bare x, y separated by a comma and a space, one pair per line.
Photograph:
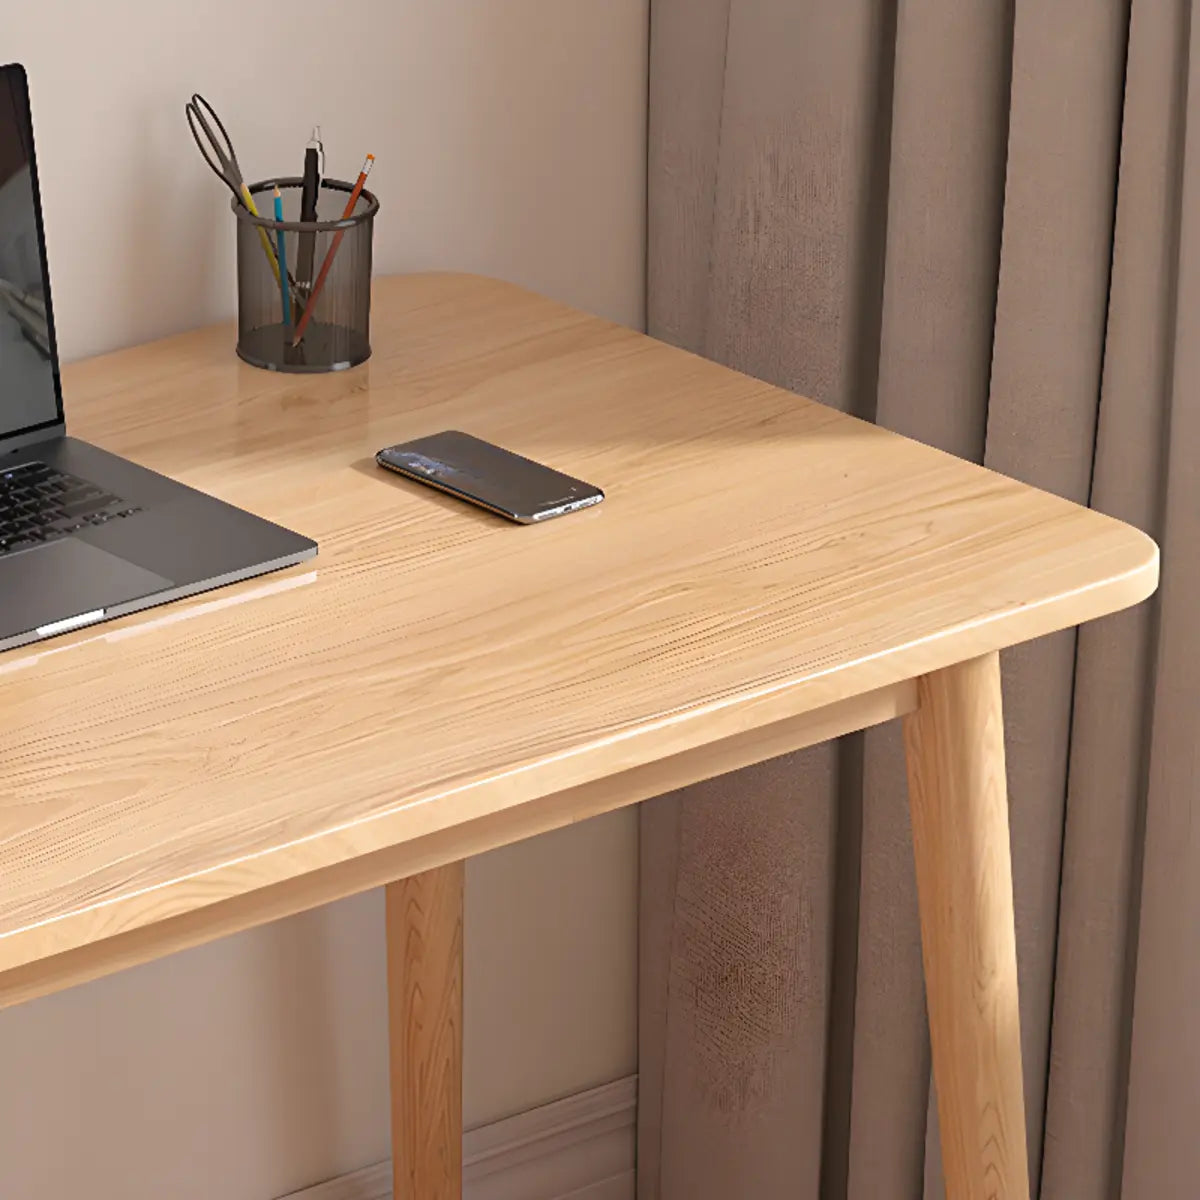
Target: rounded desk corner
1142, 576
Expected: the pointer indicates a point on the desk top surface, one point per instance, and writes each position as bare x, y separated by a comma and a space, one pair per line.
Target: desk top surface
757, 556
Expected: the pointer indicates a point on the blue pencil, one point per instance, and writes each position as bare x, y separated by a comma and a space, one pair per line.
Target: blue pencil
283, 270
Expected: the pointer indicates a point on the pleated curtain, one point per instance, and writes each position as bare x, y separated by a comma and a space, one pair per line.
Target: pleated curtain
979, 225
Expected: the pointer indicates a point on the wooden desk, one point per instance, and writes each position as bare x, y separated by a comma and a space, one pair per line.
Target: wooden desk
764, 574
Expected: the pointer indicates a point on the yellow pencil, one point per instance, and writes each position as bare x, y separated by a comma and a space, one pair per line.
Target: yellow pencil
262, 233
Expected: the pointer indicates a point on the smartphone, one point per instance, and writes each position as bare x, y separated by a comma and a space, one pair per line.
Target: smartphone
487, 475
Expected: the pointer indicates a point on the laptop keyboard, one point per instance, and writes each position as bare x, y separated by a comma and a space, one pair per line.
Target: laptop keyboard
39, 504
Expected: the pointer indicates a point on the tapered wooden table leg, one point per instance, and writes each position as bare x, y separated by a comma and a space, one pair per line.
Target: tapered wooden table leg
955, 749
424, 951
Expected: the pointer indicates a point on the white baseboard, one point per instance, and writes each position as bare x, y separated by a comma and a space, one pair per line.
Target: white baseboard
580, 1148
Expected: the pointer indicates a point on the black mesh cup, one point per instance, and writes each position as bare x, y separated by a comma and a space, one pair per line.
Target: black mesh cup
305, 305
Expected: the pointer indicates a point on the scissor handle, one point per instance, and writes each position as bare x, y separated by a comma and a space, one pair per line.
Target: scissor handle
217, 152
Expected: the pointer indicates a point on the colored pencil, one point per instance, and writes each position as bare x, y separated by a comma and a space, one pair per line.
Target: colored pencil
252, 209
283, 271
319, 283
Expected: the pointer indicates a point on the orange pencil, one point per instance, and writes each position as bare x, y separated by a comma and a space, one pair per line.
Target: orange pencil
333, 249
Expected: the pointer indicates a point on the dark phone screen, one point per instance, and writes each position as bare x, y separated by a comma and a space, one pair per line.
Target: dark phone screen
482, 471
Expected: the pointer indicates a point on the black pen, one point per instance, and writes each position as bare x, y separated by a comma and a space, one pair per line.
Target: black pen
314, 156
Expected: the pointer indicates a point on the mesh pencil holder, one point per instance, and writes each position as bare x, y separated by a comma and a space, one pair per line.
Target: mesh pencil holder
305, 305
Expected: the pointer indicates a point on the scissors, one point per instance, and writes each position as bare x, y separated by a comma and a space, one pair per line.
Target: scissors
218, 152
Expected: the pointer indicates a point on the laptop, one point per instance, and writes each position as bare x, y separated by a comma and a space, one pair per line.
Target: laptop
85, 535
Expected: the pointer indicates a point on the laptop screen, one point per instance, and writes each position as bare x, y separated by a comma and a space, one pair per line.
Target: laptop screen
28, 386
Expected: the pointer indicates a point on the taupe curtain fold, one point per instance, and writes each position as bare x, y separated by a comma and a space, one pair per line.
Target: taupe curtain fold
977, 224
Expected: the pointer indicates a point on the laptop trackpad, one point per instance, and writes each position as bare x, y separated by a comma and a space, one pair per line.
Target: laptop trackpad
66, 579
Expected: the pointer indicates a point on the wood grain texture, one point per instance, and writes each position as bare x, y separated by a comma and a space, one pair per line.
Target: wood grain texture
954, 744
411, 855
425, 1006
758, 557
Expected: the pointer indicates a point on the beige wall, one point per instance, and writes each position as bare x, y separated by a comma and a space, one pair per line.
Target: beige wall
510, 139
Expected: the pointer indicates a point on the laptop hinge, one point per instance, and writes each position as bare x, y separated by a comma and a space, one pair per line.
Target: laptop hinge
19, 441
